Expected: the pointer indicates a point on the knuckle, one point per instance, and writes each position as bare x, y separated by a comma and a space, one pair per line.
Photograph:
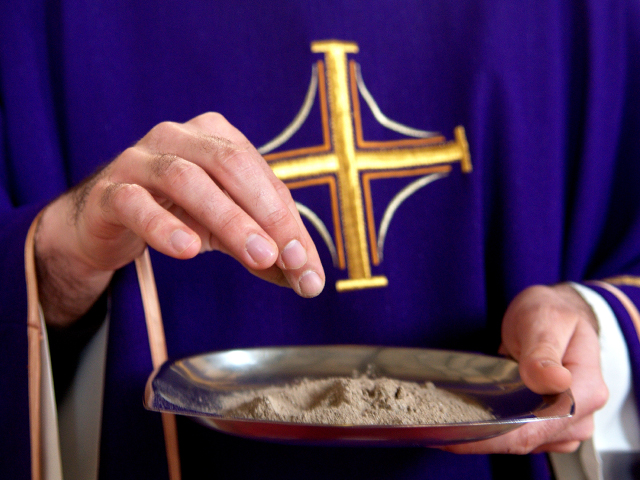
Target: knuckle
161, 164
229, 219
527, 441
118, 195
163, 129
529, 445
213, 118
524, 448
283, 191
124, 200
240, 170
215, 124
220, 148
149, 222
129, 153
159, 135
110, 195
277, 218
174, 171
182, 175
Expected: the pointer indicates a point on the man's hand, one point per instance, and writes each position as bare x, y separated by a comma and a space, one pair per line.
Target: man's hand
552, 333
182, 189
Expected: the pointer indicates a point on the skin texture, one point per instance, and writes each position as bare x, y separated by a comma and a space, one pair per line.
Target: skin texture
182, 189
552, 333
200, 186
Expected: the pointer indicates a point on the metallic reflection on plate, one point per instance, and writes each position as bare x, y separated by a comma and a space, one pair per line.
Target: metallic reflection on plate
193, 387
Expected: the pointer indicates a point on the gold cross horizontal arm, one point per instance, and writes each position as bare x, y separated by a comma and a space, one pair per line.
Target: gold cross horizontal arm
306, 167
449, 152
385, 159
382, 159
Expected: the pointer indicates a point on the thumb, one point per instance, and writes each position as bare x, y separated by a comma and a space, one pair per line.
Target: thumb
542, 371
537, 329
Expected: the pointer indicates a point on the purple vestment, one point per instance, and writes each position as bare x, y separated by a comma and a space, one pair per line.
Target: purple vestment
548, 94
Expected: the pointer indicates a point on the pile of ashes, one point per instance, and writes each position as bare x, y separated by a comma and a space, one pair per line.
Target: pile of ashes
355, 401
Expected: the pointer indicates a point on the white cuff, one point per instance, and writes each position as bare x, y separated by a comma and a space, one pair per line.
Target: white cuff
616, 424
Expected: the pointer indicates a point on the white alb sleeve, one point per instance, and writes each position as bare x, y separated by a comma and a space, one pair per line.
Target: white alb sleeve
616, 424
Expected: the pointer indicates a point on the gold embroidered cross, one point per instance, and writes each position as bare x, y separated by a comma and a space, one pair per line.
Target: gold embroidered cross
344, 156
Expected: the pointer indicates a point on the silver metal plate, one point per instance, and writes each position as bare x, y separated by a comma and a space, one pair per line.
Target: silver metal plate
193, 387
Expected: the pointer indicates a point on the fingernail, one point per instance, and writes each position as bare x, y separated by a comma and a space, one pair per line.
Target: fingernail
310, 284
294, 255
181, 240
260, 249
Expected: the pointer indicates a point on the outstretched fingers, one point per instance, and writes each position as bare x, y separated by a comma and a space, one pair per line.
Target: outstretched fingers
219, 178
225, 197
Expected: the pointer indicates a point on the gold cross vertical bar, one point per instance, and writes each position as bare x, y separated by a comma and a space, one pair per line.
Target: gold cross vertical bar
350, 192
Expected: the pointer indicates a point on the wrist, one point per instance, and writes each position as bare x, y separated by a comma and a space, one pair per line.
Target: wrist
67, 285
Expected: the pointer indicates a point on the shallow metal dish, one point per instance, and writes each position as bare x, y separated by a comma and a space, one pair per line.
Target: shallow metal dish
194, 385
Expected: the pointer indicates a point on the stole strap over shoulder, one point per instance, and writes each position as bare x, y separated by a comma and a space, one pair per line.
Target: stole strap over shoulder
34, 336
158, 346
